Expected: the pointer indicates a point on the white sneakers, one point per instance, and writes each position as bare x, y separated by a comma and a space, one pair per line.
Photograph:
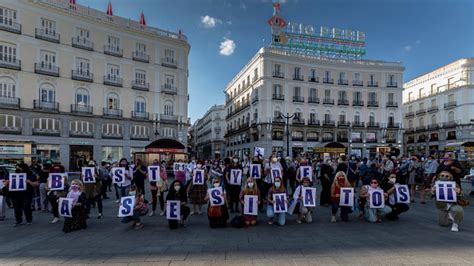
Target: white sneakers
151, 214
55, 220
333, 219
454, 227
162, 213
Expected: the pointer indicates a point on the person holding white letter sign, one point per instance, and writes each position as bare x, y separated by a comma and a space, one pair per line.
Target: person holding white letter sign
177, 193
273, 204
398, 197
375, 206
250, 198
339, 189
304, 199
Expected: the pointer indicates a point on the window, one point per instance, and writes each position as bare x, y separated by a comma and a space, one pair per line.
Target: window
357, 76
450, 82
137, 130
168, 108
81, 126
390, 97
313, 74
297, 135
327, 94
391, 79
433, 120
313, 93
357, 118
372, 97
277, 114
372, 78
169, 81
327, 75
451, 117
113, 43
255, 73
312, 117
113, 72
297, 72
82, 34
410, 96
422, 105
10, 121
277, 68
168, 132
371, 118
297, 91
47, 93
434, 89
421, 122
83, 65
140, 105
82, 97
7, 16
433, 102
7, 52
48, 26
113, 101
46, 124
391, 119
298, 115
410, 123
327, 117
48, 59
357, 96
7, 88
140, 48
140, 77
277, 89
342, 117
451, 98
111, 129
342, 95
420, 93
410, 109
111, 153
342, 76
169, 55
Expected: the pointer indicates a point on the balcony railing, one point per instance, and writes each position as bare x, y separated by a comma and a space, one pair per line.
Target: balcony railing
372, 84
112, 112
110, 135
279, 97
342, 102
358, 124
421, 111
343, 82
433, 127
420, 128
329, 123
254, 99
298, 121
169, 89
10, 130
450, 124
169, 62
141, 56
450, 105
47, 35
392, 105
168, 118
82, 75
10, 62
328, 80
49, 106
10, 102
392, 84
298, 77
313, 122
139, 137
313, 79
81, 134
113, 50
357, 103
328, 101
373, 124
46, 132
298, 99
140, 85
343, 124
10, 25
278, 74
82, 43
372, 104
356, 140
45, 69
313, 99
278, 119
326, 139
410, 114
113, 81
82, 109
433, 109
393, 125
140, 115
357, 83
342, 139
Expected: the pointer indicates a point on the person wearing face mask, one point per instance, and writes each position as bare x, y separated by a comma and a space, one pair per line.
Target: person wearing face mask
217, 215
453, 166
158, 190
53, 196
325, 178
125, 186
276, 188
353, 171
79, 216
252, 190
139, 176
177, 192
140, 209
234, 190
339, 182
416, 178
303, 213
388, 186
260, 182
197, 193
373, 214
183, 175
449, 212
93, 191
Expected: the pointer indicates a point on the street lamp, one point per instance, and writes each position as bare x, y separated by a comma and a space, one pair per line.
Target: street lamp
287, 117
157, 132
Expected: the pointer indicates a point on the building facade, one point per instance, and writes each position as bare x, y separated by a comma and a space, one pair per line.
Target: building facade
209, 134
77, 83
438, 109
336, 105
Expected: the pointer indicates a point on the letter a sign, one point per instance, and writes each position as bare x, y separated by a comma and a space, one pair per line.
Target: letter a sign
65, 207
309, 196
198, 178
88, 175
255, 171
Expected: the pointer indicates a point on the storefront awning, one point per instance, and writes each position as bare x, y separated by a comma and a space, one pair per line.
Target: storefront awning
165, 145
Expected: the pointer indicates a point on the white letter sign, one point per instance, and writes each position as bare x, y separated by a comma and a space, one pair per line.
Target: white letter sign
65, 207
280, 205
250, 205
306, 171
118, 175
216, 196
56, 181
198, 178
275, 172
173, 210
127, 204
235, 177
154, 173
402, 194
346, 197
445, 191
259, 152
309, 196
255, 171
88, 175
17, 182
377, 199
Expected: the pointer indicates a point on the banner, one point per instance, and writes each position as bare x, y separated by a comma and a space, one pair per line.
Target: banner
255, 171
259, 152
275, 172
309, 196
235, 177
17, 182
88, 175
216, 196
56, 181
127, 204
118, 175
445, 191
346, 198
154, 173
306, 171
178, 167
280, 203
198, 177
65, 207
402, 193
377, 199
250, 205
173, 210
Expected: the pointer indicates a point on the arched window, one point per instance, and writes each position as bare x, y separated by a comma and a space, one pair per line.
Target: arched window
433, 120
113, 101
277, 112
391, 119
371, 118
327, 116
342, 117
47, 93
357, 118
410, 123
421, 122
82, 97
140, 105
169, 108
451, 116
7, 88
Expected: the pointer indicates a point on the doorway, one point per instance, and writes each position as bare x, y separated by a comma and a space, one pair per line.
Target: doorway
79, 156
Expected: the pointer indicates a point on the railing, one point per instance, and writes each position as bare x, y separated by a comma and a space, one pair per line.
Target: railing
392, 105
343, 124
433, 109
106, 135
329, 123
82, 75
81, 134
392, 84
298, 99
313, 100
342, 102
113, 81
278, 120
113, 50
140, 56
10, 130
313, 122
372, 104
358, 124
450, 105
433, 126
410, 114
328, 80
373, 124
10, 102
46, 132
343, 82
279, 97
10, 62
10, 26
140, 115
450, 124
342, 139
298, 77
357, 83
140, 85
254, 99
420, 111
298, 121
45, 69
139, 137
313, 79
328, 101
169, 89
80, 108
356, 140
393, 125
169, 118
169, 62
372, 84
278, 75
112, 112
50, 106
82, 43
420, 128
357, 103
326, 139
47, 35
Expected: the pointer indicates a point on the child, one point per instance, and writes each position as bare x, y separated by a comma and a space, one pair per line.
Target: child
140, 209
79, 216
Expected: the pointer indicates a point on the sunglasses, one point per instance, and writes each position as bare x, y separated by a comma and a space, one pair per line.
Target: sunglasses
374, 182
447, 176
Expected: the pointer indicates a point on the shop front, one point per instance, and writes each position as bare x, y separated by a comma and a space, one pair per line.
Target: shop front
168, 150
13, 152
79, 155
330, 150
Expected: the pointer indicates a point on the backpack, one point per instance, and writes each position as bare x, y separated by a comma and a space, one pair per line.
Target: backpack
237, 222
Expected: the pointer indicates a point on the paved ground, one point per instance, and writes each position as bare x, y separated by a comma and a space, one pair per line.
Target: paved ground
414, 239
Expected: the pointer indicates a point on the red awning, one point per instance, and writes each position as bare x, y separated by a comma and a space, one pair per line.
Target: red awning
142, 19
109, 9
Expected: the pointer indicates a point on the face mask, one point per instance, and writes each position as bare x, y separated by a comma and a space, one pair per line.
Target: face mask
341, 181
177, 188
392, 180
74, 188
274, 160
235, 161
250, 184
123, 164
374, 185
216, 184
277, 184
132, 193
199, 165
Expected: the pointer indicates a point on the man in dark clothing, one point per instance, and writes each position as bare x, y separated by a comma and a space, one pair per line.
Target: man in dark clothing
452, 166
388, 186
326, 181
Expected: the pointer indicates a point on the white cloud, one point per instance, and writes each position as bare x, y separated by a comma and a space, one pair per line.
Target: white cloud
227, 47
243, 6
418, 42
229, 22
210, 22
407, 48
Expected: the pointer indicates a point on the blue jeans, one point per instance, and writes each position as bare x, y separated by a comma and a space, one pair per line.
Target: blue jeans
281, 217
372, 215
135, 218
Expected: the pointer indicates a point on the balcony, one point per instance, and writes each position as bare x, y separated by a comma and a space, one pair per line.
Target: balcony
168, 118
329, 123
343, 124
141, 57
82, 75
140, 115
328, 80
295, 138
342, 139
410, 114
140, 85
409, 130
372, 104
111, 135
278, 120
392, 84
113, 50
82, 43
298, 99
313, 79
10, 26
343, 102
449, 124
358, 124
343, 82
393, 125
113, 81
278, 97
169, 62
81, 109
298, 77
328, 101
392, 105
326, 139
433, 127
373, 125
358, 83
313, 100
254, 99
46, 106
298, 121
10, 62
356, 140
372, 84
10, 130
81, 134
450, 105
421, 111
46, 132
433, 109
420, 128
10, 102
112, 112
139, 137
278, 74
313, 122
359, 103
169, 89
371, 140
47, 35
45, 69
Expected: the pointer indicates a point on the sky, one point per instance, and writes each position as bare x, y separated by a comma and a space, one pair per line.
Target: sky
225, 34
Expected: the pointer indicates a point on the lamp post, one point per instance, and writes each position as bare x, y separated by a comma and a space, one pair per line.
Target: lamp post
157, 132
287, 117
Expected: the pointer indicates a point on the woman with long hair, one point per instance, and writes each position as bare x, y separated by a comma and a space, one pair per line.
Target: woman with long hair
177, 192
339, 182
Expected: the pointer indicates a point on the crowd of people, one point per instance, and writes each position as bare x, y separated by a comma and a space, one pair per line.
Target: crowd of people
361, 174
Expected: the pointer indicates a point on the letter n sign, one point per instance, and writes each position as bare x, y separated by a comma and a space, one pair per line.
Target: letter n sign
445, 191
280, 205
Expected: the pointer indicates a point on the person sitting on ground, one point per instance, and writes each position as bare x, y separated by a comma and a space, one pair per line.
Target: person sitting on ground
140, 209
339, 182
449, 212
388, 186
177, 192
373, 214
303, 213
